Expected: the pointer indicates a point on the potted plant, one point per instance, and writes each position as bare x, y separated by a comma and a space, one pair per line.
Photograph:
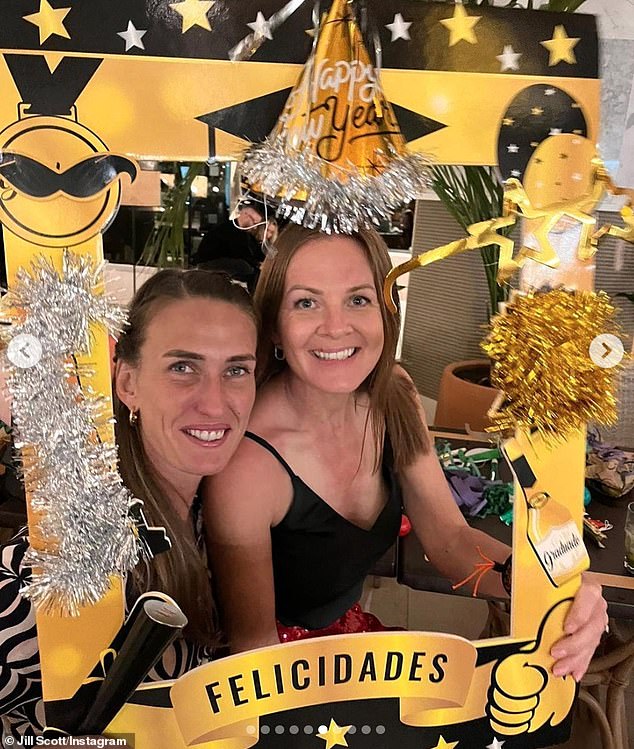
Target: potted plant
472, 194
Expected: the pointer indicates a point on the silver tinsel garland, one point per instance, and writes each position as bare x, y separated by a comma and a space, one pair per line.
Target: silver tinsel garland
79, 501
333, 205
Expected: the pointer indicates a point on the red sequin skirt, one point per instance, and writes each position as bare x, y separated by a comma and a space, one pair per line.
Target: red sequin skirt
355, 620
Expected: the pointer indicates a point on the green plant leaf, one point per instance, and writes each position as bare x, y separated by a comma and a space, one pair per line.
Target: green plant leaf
472, 194
166, 244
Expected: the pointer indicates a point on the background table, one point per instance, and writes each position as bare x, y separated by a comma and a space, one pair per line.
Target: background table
612, 666
606, 565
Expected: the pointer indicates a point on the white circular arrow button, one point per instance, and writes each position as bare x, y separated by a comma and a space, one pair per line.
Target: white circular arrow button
606, 350
24, 351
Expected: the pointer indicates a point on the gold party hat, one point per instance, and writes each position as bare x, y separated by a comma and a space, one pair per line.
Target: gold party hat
336, 159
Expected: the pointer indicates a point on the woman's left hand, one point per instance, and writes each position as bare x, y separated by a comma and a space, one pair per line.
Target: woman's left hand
586, 621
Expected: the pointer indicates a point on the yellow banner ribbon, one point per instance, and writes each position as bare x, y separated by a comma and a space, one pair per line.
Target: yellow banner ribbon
426, 672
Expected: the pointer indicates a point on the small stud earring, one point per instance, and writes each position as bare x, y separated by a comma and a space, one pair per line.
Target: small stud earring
278, 353
133, 417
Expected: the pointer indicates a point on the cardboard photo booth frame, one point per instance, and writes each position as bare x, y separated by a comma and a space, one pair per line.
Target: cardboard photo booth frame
469, 86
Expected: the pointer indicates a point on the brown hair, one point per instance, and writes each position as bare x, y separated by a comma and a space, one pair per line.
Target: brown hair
180, 572
392, 398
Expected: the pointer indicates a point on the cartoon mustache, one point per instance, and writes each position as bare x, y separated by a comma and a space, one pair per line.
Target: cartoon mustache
82, 180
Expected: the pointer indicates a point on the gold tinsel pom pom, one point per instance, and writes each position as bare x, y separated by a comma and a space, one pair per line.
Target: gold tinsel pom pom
540, 359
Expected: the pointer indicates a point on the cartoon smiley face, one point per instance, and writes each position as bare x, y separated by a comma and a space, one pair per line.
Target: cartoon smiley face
60, 185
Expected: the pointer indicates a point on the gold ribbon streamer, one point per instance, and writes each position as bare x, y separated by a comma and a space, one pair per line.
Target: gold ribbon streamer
517, 204
480, 235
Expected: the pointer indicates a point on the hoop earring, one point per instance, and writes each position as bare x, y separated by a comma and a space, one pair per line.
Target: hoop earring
278, 353
133, 418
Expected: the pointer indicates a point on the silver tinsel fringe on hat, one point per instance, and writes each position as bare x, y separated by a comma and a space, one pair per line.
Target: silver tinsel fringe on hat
333, 205
69, 473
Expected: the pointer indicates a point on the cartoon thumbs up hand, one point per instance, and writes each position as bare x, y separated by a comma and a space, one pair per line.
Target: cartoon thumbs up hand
524, 693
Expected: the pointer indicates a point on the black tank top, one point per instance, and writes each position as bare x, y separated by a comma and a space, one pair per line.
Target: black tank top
320, 559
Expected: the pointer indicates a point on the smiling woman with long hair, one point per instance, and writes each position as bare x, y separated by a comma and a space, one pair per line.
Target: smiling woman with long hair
184, 387
336, 448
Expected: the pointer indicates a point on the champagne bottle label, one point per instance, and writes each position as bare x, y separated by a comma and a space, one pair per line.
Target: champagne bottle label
551, 529
554, 536
561, 551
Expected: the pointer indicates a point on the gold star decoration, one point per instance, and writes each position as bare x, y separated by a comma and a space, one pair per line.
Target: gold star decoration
49, 21
622, 232
626, 232
194, 13
537, 111
485, 233
461, 26
335, 735
561, 47
442, 744
508, 121
518, 204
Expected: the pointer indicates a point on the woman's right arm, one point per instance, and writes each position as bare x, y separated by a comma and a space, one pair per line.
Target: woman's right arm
239, 509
